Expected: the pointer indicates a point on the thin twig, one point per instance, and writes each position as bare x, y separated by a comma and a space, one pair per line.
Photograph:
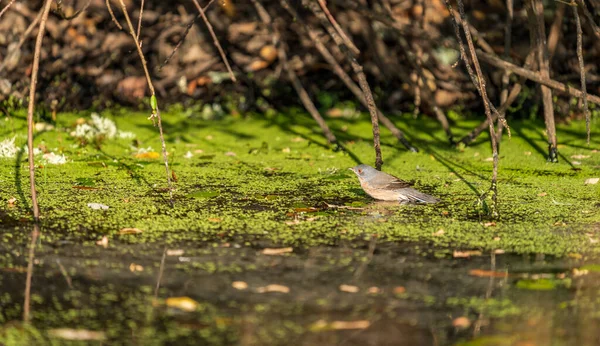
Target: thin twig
535, 12
155, 110
24, 37
506, 74
512, 96
536, 77
31, 108
582, 70
589, 17
358, 70
338, 28
34, 236
160, 273
480, 84
300, 90
6, 7
347, 80
61, 13
139, 26
64, 272
112, 15
215, 39
185, 33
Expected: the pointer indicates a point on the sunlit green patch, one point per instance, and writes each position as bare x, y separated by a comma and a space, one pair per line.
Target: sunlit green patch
245, 177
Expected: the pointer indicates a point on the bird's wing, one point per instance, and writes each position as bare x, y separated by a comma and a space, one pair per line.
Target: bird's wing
389, 182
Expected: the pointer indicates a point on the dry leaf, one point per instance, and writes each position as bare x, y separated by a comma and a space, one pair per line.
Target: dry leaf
489, 224
285, 150
268, 53
135, 268
439, 232
77, 334
214, 219
11, 202
148, 155
592, 181
399, 290
277, 251
130, 231
580, 157
182, 303
542, 194
344, 325
461, 322
230, 153
349, 288
175, 252
239, 285
466, 254
487, 273
103, 242
257, 65
273, 288
374, 290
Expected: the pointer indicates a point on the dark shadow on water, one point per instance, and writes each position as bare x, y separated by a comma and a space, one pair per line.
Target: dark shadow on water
359, 293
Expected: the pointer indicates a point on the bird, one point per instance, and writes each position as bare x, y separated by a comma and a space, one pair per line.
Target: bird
386, 187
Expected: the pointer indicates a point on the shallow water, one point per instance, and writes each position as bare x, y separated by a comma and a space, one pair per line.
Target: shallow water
235, 292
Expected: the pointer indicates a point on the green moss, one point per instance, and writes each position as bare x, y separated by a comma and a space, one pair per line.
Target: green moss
247, 178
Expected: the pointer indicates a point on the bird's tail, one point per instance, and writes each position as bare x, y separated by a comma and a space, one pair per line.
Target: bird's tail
418, 197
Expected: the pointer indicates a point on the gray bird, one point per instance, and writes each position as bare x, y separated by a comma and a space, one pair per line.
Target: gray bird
386, 187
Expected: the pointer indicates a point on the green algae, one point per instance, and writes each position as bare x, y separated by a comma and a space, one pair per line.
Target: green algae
245, 177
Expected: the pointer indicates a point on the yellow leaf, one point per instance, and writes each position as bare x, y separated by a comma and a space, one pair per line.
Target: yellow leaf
148, 155
182, 303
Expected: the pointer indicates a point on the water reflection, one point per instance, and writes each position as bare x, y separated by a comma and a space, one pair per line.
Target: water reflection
238, 293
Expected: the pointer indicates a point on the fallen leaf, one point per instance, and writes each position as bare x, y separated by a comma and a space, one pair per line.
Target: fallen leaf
268, 53
399, 290
439, 232
499, 251
103, 242
461, 322
487, 273
286, 150
11, 202
374, 290
466, 254
148, 155
257, 65
130, 231
344, 325
97, 206
175, 252
273, 288
489, 224
349, 288
592, 181
135, 268
230, 153
239, 285
77, 334
580, 157
214, 219
297, 139
182, 303
542, 194
528, 153
277, 251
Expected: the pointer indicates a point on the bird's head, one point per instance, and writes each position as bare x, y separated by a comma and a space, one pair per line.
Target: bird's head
364, 172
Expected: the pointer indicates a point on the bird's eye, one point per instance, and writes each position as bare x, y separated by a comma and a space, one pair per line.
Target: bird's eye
360, 171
